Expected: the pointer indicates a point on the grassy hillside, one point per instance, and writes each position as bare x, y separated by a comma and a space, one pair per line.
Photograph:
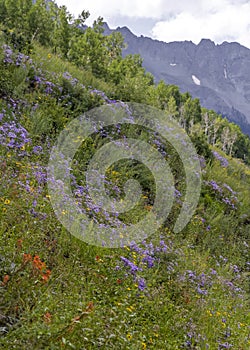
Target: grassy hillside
172, 291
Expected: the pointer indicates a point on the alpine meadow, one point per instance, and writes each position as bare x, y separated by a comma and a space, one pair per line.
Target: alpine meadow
186, 289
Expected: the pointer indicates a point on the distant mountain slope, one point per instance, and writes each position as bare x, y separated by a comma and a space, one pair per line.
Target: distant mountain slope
219, 75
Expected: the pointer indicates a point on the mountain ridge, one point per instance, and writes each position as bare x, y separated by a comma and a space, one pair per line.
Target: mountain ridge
217, 74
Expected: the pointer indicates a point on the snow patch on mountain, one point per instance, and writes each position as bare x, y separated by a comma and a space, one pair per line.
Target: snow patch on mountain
196, 80
225, 73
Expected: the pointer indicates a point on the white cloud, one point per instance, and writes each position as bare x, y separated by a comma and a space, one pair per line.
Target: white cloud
228, 23
111, 8
218, 20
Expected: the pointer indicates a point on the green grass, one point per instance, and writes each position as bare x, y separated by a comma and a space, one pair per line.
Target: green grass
73, 296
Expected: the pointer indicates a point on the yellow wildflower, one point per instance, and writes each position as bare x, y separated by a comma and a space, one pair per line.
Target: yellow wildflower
129, 336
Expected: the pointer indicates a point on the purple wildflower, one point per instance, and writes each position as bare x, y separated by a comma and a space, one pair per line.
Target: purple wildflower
225, 346
215, 186
37, 149
223, 161
133, 268
8, 54
229, 188
149, 260
141, 284
201, 291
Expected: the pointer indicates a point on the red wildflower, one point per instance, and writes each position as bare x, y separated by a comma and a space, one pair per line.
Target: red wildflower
27, 257
19, 243
37, 263
90, 306
47, 317
5, 280
46, 276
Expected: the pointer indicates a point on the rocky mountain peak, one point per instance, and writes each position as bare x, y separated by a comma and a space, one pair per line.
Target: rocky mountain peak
207, 43
218, 75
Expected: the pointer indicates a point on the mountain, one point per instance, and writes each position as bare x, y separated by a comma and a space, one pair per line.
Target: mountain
218, 75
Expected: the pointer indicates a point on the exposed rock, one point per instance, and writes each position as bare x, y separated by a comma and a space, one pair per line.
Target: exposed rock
219, 75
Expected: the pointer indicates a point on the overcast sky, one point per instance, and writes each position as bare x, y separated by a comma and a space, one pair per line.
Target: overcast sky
173, 20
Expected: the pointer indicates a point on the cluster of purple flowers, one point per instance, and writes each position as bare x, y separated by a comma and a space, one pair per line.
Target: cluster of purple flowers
73, 81
133, 268
36, 214
233, 289
36, 177
94, 210
7, 54
102, 95
160, 147
13, 135
225, 192
22, 59
207, 280
37, 149
202, 162
13, 105
225, 346
40, 174
46, 86
18, 59
193, 340
50, 88
201, 282
147, 256
223, 161
215, 186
